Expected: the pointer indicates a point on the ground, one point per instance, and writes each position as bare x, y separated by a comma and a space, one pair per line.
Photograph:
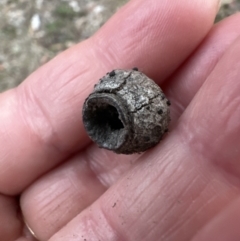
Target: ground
33, 32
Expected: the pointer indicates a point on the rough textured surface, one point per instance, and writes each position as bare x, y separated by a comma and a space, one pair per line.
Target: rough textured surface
126, 113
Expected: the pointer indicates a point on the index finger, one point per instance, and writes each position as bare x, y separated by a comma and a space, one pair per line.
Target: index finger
41, 119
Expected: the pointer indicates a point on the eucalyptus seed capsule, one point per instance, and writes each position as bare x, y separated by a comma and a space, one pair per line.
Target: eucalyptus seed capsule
127, 112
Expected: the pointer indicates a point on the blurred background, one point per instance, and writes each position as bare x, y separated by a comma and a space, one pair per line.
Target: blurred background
33, 32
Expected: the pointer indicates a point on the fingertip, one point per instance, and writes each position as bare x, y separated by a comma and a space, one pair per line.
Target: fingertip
155, 35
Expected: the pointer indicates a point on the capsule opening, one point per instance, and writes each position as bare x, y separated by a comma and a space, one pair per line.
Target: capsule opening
106, 117
104, 120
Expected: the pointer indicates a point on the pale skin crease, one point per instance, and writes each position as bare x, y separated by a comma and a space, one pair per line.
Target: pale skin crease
186, 188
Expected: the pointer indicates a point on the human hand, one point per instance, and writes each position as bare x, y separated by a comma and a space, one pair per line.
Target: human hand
186, 188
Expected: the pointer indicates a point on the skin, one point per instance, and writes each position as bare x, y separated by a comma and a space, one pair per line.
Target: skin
186, 188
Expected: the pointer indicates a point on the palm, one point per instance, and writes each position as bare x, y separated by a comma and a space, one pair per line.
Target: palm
186, 188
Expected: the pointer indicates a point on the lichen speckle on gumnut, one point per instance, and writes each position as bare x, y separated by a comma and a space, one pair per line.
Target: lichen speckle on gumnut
127, 112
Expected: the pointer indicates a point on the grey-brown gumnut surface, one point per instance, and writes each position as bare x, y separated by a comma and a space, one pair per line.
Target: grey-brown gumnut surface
127, 112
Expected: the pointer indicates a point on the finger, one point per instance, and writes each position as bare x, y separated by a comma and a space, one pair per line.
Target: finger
185, 83
60, 195
107, 167
225, 87
41, 120
175, 189
10, 224
224, 226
